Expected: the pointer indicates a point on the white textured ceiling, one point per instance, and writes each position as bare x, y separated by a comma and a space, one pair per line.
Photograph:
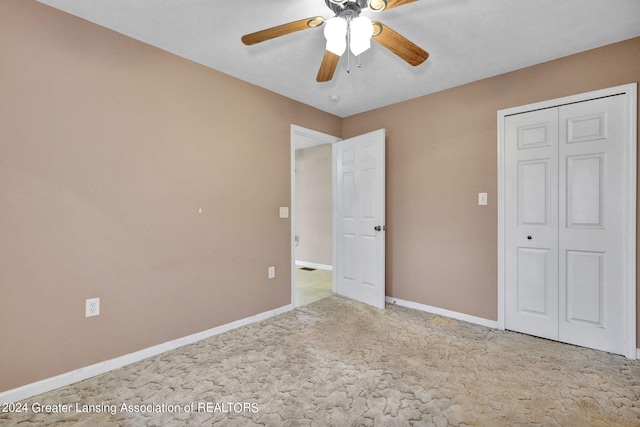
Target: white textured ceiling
467, 40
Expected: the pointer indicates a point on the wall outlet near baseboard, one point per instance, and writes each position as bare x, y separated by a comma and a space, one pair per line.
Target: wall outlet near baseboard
271, 272
92, 307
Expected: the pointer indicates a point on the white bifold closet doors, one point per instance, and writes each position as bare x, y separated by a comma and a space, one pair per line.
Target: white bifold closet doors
565, 222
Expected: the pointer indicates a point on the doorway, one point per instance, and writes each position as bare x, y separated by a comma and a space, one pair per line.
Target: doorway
313, 239
567, 198
312, 200
358, 213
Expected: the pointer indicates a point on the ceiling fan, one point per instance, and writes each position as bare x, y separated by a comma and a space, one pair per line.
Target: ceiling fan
348, 27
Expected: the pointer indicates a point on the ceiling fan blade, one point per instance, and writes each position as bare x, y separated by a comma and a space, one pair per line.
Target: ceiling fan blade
398, 44
396, 3
281, 30
328, 66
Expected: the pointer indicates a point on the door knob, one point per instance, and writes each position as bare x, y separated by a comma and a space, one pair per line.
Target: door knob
377, 228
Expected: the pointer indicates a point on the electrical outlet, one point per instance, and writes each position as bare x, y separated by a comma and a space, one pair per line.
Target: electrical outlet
92, 307
284, 212
271, 273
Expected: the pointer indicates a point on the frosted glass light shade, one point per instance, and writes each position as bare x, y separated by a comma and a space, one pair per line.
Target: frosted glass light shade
335, 31
361, 31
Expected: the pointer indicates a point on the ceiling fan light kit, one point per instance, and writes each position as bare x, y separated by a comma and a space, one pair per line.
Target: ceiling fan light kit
347, 27
335, 31
360, 34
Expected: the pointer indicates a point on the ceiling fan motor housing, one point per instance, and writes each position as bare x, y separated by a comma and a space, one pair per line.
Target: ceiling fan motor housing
347, 8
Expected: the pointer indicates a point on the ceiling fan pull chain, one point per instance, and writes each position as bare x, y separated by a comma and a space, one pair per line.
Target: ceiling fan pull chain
348, 44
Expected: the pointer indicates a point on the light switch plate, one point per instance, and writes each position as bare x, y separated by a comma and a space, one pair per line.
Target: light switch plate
284, 212
482, 199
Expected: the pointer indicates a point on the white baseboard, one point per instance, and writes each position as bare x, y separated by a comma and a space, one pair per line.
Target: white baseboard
87, 372
454, 314
442, 312
314, 265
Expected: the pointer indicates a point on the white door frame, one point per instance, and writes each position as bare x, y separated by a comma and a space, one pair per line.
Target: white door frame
305, 138
630, 91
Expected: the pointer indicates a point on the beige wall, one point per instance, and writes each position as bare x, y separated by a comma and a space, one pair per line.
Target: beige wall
108, 148
314, 205
441, 152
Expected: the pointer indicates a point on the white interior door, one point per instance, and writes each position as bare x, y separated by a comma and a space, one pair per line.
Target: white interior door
566, 223
359, 269
531, 240
592, 216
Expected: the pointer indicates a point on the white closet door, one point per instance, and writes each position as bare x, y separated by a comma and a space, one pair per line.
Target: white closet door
531, 232
565, 195
592, 219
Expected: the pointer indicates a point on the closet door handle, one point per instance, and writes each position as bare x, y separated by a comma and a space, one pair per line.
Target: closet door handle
529, 237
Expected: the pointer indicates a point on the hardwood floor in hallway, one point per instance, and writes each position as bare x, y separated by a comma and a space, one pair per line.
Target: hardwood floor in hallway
312, 285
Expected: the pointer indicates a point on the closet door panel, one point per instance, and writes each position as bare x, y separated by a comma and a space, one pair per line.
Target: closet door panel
531, 271
591, 235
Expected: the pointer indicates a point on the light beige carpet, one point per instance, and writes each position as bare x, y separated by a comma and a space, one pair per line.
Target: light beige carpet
336, 362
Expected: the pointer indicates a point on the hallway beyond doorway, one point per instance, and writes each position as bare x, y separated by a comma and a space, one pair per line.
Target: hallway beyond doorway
312, 285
